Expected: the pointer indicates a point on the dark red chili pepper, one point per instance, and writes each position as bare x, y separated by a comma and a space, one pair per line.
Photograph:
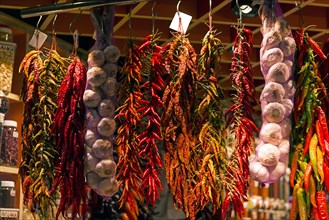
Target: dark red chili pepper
326, 176
315, 213
316, 48
299, 37
320, 135
322, 205
301, 55
323, 122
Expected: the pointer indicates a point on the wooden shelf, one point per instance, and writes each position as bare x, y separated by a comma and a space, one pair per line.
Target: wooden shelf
14, 98
11, 170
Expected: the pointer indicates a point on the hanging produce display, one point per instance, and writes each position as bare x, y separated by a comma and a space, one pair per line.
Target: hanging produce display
241, 124
177, 123
130, 99
41, 82
99, 99
68, 131
209, 158
310, 161
276, 60
150, 115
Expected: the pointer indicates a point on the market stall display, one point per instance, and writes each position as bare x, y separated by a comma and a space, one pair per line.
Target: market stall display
109, 140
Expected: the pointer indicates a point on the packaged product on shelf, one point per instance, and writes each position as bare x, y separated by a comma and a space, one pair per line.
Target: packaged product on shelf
7, 194
7, 57
8, 156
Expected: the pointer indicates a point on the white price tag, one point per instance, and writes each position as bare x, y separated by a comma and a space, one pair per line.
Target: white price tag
38, 38
181, 24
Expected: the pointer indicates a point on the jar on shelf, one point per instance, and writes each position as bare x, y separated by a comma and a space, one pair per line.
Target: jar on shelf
7, 57
7, 194
9, 151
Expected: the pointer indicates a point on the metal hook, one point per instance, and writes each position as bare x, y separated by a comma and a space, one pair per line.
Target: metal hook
210, 14
129, 22
300, 12
177, 8
153, 17
39, 22
240, 11
55, 18
74, 19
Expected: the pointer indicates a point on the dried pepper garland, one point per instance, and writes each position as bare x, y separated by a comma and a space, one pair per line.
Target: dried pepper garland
150, 115
37, 167
127, 143
177, 123
240, 122
209, 158
310, 161
68, 129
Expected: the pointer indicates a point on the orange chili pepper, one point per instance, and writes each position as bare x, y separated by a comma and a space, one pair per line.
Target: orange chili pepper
294, 203
294, 164
307, 175
308, 139
312, 191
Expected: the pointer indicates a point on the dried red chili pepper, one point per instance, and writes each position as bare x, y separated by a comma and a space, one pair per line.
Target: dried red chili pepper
315, 213
323, 122
316, 48
326, 176
322, 205
319, 133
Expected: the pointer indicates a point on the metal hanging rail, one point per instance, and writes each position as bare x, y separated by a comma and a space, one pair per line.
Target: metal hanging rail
72, 6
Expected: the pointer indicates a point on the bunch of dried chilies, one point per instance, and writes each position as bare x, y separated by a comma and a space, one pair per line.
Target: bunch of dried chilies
43, 73
309, 166
240, 123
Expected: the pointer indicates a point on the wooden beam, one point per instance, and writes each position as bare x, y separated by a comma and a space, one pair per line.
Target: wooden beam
138, 7
49, 18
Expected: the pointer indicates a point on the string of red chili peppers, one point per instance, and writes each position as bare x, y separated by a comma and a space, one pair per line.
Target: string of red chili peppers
131, 99
241, 123
150, 115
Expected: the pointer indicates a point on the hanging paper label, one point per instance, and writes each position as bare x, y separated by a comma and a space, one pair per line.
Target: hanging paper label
76, 38
180, 22
38, 39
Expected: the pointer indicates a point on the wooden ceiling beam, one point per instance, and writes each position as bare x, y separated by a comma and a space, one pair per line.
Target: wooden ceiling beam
49, 18
125, 19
